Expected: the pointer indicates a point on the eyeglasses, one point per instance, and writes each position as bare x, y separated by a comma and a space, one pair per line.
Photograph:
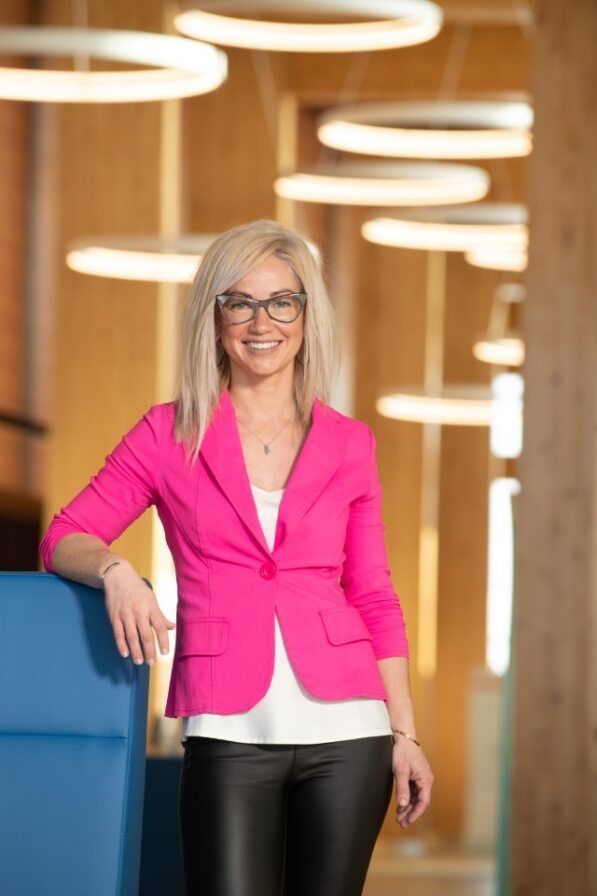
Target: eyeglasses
238, 309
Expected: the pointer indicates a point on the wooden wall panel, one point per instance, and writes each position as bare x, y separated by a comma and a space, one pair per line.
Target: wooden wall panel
230, 144
15, 196
15, 122
496, 59
554, 754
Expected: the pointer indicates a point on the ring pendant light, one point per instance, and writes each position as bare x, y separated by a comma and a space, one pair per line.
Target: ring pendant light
502, 344
184, 67
507, 351
385, 183
139, 257
482, 225
457, 129
455, 404
388, 24
498, 259
144, 258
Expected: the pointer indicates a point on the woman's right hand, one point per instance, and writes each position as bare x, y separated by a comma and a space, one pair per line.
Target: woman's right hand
133, 609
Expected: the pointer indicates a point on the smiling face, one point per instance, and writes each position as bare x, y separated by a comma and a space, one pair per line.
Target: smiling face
279, 342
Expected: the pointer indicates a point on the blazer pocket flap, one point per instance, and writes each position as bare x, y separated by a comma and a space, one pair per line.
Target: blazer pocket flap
203, 636
344, 624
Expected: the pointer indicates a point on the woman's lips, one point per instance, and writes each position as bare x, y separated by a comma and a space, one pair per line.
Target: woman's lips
262, 351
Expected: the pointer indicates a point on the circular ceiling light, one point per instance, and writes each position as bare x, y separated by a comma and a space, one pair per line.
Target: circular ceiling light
503, 350
180, 67
498, 259
459, 129
388, 24
144, 258
385, 183
457, 405
502, 344
139, 257
482, 225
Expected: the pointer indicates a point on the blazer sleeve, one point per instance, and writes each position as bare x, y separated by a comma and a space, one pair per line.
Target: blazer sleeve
117, 494
366, 575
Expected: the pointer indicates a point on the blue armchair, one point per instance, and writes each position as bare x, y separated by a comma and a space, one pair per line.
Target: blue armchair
73, 716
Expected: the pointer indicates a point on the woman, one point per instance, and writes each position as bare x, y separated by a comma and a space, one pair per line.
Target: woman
290, 665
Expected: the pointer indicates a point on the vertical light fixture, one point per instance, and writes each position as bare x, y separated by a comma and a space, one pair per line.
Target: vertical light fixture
500, 573
430, 472
506, 425
505, 443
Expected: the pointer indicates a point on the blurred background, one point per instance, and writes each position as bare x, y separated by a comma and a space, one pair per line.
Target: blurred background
445, 171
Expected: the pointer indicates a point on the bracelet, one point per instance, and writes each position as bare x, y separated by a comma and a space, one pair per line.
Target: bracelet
409, 736
109, 566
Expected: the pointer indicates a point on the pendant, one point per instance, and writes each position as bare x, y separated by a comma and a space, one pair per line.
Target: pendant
266, 449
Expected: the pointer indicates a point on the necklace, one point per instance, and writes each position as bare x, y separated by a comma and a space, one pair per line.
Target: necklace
266, 445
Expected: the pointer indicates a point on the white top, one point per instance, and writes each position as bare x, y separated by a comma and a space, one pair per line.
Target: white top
289, 713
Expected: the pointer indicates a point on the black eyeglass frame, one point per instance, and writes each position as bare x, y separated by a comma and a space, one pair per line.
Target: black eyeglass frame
263, 303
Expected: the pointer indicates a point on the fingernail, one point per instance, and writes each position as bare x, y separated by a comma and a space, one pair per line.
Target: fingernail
164, 650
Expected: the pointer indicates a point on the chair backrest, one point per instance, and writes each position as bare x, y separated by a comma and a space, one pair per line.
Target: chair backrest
73, 719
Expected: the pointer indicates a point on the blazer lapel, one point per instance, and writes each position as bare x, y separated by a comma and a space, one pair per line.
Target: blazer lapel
318, 460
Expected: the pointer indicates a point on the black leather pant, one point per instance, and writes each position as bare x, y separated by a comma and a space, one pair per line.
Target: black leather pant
282, 819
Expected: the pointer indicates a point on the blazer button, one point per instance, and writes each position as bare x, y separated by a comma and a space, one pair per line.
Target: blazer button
268, 570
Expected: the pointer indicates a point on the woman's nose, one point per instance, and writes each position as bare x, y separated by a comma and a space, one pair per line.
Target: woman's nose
261, 318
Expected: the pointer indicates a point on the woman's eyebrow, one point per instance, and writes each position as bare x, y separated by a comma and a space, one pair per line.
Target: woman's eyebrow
239, 292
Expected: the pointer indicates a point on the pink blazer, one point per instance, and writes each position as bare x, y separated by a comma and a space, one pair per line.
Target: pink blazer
327, 575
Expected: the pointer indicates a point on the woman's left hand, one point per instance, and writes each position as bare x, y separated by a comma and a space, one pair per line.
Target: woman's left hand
414, 780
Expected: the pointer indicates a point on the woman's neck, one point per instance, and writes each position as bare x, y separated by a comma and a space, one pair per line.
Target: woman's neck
254, 406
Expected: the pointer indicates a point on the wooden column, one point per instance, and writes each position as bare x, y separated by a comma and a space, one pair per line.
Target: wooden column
554, 761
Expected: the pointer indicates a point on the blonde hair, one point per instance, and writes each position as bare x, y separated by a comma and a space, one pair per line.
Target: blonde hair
200, 381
